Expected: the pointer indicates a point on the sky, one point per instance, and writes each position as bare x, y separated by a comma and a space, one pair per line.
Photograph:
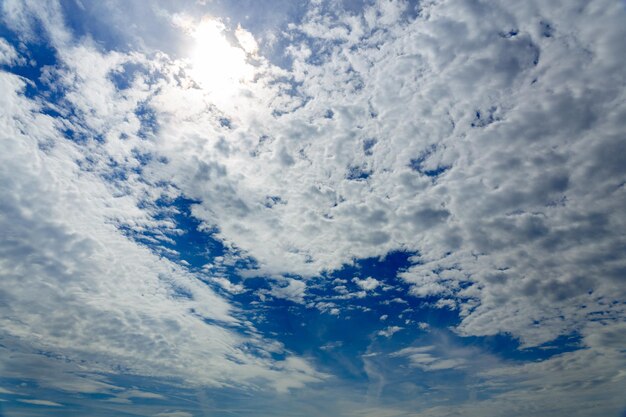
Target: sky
361, 208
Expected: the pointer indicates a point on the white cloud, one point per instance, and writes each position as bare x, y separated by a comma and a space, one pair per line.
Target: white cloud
45, 403
126, 397
331, 345
246, 40
389, 331
174, 414
294, 290
367, 284
446, 303
8, 54
492, 147
229, 286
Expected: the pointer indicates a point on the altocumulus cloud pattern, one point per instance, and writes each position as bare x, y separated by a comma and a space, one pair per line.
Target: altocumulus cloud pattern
368, 208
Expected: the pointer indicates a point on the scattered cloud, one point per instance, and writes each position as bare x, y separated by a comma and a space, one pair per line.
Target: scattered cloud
294, 290
420, 357
44, 403
174, 414
367, 284
389, 331
483, 139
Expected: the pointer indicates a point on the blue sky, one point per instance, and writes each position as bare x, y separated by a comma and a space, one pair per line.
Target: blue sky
309, 208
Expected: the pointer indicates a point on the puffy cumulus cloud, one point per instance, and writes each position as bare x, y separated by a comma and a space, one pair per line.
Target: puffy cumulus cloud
489, 146
485, 137
389, 331
292, 289
367, 284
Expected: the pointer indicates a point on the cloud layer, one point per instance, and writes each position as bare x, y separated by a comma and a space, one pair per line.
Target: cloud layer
484, 139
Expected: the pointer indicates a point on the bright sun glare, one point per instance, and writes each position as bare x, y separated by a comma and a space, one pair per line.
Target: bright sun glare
219, 67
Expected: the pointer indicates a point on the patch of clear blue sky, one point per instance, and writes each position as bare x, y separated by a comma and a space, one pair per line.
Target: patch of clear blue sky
305, 330
38, 54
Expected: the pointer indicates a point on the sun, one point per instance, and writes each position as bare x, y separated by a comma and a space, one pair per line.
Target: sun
218, 66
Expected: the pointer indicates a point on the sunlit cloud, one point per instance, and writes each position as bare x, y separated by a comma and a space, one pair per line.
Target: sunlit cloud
218, 61
356, 208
